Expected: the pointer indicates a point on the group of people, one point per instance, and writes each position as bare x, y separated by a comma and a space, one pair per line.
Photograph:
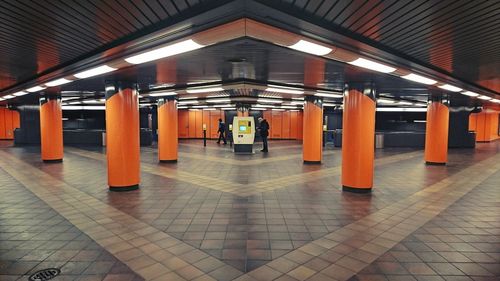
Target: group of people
263, 130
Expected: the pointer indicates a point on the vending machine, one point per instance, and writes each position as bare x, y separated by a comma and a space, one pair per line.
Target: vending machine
243, 134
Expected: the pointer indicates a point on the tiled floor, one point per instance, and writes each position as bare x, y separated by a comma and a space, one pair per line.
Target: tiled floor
216, 215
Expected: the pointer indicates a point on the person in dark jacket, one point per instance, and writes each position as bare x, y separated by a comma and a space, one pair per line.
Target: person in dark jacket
221, 131
264, 132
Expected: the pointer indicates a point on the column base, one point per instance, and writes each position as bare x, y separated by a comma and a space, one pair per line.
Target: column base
168, 161
435, 163
307, 162
124, 188
356, 190
52, 160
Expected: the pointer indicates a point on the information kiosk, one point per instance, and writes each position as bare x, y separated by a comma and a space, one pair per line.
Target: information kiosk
243, 134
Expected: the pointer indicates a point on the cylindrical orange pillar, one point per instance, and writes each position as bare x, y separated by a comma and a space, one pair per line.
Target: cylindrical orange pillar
436, 133
122, 136
312, 144
51, 129
167, 130
358, 138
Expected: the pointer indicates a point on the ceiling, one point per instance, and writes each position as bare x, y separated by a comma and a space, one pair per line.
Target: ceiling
453, 38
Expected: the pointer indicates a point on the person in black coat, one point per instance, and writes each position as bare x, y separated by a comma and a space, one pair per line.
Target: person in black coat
221, 131
264, 132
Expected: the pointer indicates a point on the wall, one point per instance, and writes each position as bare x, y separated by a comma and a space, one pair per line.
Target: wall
284, 124
191, 123
9, 121
485, 124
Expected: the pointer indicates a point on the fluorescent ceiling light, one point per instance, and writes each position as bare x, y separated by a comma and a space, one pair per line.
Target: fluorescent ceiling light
95, 101
288, 107
495, 100
92, 107
211, 108
361, 62
385, 101
329, 104
297, 102
270, 100
222, 105
263, 105
284, 91
328, 95
404, 103
256, 108
58, 82
94, 71
419, 79
188, 102
298, 98
450, 88
228, 108
311, 48
217, 100
401, 109
1, 99
163, 52
20, 93
35, 89
163, 94
484, 97
204, 90
277, 109
8, 97
182, 107
470, 94
187, 98
200, 106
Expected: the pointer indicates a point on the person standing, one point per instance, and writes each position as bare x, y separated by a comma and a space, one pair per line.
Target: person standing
264, 132
221, 131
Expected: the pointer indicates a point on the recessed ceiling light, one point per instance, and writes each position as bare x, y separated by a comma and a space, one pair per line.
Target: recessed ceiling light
20, 93
8, 97
270, 100
217, 100
288, 107
470, 94
162, 94
495, 100
450, 88
35, 89
58, 82
385, 101
419, 79
329, 104
200, 106
404, 103
484, 97
88, 107
204, 90
222, 105
328, 95
401, 109
260, 109
228, 108
94, 71
368, 64
182, 107
310, 48
187, 102
163, 52
284, 90
277, 109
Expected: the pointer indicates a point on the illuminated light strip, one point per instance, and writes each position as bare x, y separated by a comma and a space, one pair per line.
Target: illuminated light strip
20, 93
401, 109
94, 71
58, 82
470, 94
311, 48
330, 105
35, 89
163, 52
328, 95
162, 94
270, 100
217, 100
484, 97
419, 79
89, 107
450, 88
8, 97
284, 90
368, 64
204, 90
385, 101
187, 102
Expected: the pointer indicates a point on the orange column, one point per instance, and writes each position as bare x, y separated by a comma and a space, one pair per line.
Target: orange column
358, 138
167, 130
312, 145
436, 133
122, 136
51, 131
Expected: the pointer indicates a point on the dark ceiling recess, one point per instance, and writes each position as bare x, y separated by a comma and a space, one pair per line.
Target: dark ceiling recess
460, 37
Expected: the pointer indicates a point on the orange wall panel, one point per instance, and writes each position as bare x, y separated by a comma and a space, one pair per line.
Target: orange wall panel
199, 124
9, 130
2, 123
486, 125
293, 124
473, 122
183, 124
285, 131
214, 123
192, 124
300, 125
277, 121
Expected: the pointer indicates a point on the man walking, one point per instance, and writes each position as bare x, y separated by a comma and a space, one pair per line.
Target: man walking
264, 132
221, 131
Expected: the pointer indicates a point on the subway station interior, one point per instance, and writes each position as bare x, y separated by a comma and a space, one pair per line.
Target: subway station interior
250, 140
